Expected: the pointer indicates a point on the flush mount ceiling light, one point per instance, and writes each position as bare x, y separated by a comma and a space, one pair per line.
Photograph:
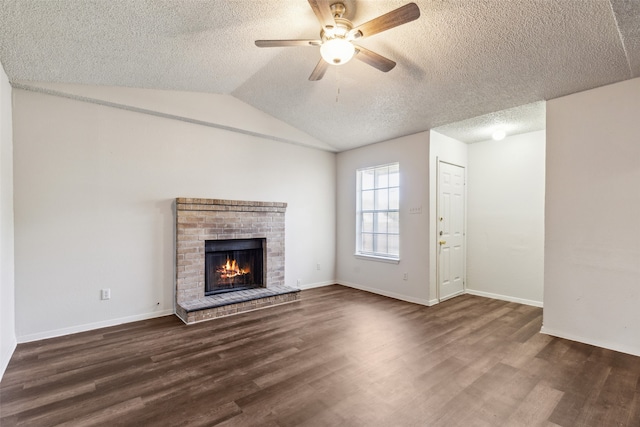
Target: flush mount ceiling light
498, 135
337, 35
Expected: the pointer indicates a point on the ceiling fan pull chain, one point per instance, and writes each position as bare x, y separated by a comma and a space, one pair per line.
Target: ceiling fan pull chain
337, 85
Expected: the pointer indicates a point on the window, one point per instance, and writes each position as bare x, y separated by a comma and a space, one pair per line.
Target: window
377, 217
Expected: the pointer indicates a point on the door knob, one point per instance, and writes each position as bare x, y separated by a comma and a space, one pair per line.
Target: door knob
442, 242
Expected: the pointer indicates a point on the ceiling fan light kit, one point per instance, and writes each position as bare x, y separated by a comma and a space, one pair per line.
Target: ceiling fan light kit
337, 51
337, 35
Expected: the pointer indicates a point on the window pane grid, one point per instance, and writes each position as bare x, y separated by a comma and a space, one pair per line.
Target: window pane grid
378, 211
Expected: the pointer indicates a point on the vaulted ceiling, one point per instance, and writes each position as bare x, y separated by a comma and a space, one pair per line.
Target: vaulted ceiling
461, 59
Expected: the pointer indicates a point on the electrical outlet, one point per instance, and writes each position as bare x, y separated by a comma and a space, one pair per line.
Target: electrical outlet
318, 266
405, 276
105, 294
298, 282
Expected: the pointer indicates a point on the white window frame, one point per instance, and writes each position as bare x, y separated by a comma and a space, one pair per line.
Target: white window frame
372, 211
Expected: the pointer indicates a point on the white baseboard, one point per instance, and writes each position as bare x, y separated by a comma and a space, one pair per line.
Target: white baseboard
505, 298
91, 326
597, 343
6, 357
401, 297
316, 285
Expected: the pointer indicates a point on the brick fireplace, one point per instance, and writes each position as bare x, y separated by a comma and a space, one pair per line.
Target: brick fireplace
200, 224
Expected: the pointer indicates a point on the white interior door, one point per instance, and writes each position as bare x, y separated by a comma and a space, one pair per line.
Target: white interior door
450, 230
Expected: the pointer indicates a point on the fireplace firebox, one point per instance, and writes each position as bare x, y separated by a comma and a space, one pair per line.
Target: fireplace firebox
234, 265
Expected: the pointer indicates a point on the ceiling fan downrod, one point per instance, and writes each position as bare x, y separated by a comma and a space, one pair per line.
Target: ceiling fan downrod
338, 10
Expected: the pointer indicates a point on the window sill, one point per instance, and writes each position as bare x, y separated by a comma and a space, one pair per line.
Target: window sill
377, 258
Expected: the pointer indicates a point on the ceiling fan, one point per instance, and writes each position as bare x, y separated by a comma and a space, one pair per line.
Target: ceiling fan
338, 34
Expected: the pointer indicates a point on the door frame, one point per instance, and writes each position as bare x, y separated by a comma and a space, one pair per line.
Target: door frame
464, 231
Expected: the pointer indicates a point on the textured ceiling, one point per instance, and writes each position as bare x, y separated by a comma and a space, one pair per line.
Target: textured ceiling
513, 121
461, 59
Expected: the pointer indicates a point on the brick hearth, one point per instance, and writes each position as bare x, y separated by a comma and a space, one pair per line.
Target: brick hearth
199, 220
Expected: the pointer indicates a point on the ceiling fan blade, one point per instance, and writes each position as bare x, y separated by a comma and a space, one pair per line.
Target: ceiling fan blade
402, 15
322, 10
319, 71
373, 59
281, 43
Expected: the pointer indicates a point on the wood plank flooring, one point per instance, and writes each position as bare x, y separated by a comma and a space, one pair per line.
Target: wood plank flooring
339, 357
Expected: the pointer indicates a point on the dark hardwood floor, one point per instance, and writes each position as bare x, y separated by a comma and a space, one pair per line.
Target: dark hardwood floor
339, 357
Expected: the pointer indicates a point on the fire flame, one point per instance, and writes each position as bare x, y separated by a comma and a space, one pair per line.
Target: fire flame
231, 269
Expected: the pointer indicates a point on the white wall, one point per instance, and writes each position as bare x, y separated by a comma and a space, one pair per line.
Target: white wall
505, 218
446, 149
211, 109
592, 230
7, 288
412, 152
94, 192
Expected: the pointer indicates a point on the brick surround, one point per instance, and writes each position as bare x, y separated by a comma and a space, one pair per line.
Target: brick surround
198, 220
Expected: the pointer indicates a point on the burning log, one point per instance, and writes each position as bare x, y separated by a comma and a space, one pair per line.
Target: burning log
231, 269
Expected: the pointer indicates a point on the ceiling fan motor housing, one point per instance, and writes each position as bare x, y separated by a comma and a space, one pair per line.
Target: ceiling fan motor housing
336, 45
340, 30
